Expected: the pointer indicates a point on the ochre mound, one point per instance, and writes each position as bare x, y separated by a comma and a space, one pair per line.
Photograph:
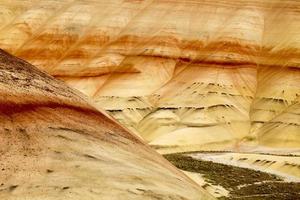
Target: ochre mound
54, 145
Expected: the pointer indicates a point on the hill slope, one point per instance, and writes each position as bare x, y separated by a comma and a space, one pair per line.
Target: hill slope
54, 145
187, 74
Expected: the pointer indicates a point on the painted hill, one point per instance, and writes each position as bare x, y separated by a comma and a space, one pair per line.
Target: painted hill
213, 85
189, 75
55, 145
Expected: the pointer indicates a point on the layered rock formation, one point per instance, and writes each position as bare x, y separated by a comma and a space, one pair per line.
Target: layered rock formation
55, 145
183, 74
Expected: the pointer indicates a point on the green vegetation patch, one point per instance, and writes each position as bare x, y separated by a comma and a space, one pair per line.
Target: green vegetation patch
242, 183
227, 176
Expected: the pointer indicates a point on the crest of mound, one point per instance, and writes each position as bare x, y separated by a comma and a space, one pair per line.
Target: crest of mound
55, 145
